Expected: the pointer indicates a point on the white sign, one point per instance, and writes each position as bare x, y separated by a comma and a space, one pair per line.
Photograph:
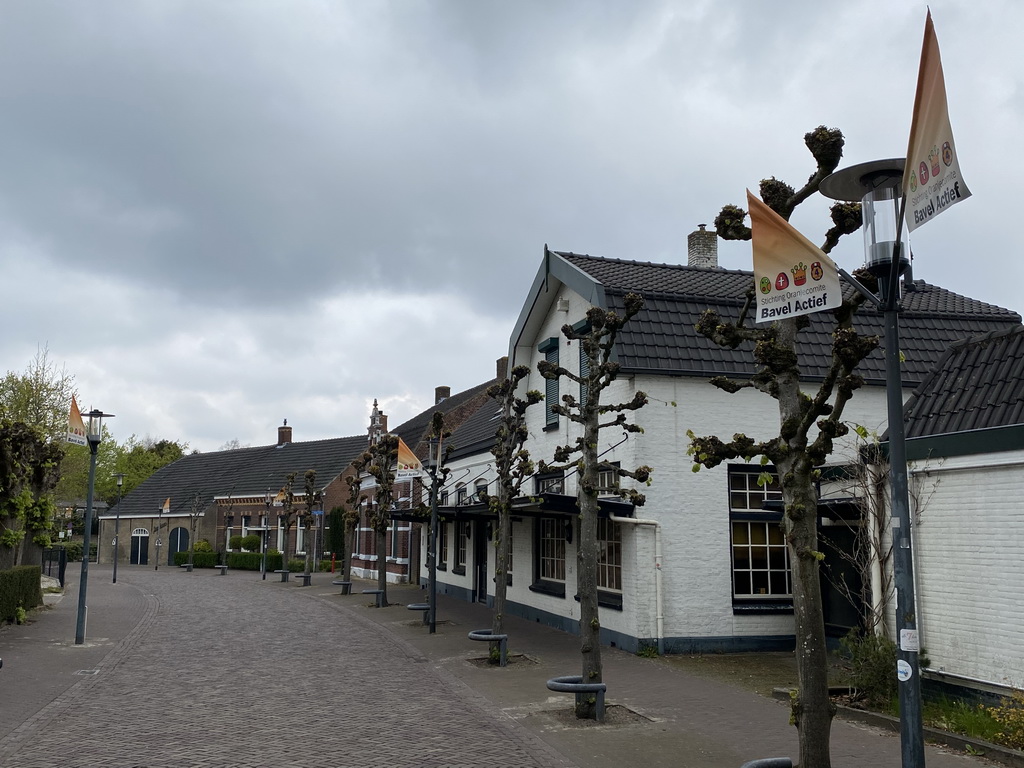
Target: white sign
904, 671
910, 641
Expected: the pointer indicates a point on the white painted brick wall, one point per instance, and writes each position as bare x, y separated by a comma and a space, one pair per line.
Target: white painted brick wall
968, 549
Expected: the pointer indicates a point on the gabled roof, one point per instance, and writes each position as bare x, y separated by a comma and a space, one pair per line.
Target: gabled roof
662, 338
241, 472
456, 408
477, 433
978, 384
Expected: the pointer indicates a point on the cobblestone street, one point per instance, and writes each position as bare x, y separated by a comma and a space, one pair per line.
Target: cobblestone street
234, 671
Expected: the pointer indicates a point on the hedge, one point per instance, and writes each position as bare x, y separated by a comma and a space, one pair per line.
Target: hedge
20, 588
199, 559
250, 561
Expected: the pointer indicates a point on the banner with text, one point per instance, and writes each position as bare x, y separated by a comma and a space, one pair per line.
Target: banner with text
793, 276
408, 464
76, 427
932, 181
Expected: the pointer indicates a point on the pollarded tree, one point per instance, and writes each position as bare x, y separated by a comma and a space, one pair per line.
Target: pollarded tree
597, 341
350, 520
313, 499
378, 461
795, 451
513, 466
286, 517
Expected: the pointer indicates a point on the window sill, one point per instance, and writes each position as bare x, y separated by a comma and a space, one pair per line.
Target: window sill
550, 427
553, 588
442, 567
762, 607
610, 600
459, 570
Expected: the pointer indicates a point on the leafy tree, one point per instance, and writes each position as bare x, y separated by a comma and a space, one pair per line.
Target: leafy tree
513, 466
597, 340
40, 397
795, 452
27, 464
379, 462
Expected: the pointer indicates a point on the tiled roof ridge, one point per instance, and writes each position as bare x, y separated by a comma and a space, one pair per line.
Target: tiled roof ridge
637, 263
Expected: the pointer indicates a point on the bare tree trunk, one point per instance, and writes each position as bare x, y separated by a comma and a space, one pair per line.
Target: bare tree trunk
382, 565
502, 534
350, 547
812, 710
586, 568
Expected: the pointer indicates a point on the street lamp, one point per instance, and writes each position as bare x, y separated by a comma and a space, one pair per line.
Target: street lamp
267, 499
433, 463
159, 541
94, 433
877, 185
117, 520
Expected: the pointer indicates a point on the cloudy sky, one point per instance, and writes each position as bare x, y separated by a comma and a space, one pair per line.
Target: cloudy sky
222, 213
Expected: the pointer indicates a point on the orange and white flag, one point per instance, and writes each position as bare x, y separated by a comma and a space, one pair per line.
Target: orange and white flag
76, 427
932, 181
408, 464
166, 508
793, 276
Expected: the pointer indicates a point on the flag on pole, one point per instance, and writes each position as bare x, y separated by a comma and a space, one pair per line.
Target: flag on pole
931, 181
166, 508
793, 276
76, 427
408, 464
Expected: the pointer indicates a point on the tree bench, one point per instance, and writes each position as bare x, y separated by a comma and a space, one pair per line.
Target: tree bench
485, 635
769, 762
379, 593
284, 574
575, 684
305, 578
425, 607
346, 586
222, 568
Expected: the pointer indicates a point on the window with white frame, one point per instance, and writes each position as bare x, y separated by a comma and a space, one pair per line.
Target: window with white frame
551, 483
300, 539
551, 540
609, 555
461, 494
394, 539
461, 536
760, 558
442, 546
608, 479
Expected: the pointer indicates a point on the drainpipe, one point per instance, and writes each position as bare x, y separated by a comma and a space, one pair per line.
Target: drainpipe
657, 572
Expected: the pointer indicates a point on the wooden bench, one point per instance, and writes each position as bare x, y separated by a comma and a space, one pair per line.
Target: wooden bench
379, 593
346, 586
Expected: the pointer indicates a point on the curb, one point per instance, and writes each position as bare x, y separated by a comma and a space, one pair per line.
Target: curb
978, 747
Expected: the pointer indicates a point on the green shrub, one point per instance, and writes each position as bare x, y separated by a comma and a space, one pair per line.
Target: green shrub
235, 542
1010, 717
19, 588
297, 565
250, 561
203, 545
74, 550
199, 559
871, 662
251, 543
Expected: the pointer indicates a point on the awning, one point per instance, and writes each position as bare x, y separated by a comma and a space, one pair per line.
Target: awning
542, 505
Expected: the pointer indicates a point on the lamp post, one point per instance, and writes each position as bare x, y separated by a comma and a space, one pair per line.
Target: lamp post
159, 541
94, 434
877, 185
117, 520
432, 465
267, 498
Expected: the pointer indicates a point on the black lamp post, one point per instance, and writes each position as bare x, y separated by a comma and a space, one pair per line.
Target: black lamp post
94, 433
267, 498
117, 520
877, 185
433, 463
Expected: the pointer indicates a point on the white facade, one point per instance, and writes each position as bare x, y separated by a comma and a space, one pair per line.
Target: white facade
693, 606
968, 542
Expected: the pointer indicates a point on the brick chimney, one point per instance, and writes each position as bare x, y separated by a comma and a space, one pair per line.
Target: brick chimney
284, 434
441, 394
702, 248
501, 368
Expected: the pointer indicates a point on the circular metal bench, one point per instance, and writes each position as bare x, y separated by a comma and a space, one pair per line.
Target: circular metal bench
346, 586
769, 762
484, 635
425, 607
379, 593
222, 568
575, 684
284, 574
